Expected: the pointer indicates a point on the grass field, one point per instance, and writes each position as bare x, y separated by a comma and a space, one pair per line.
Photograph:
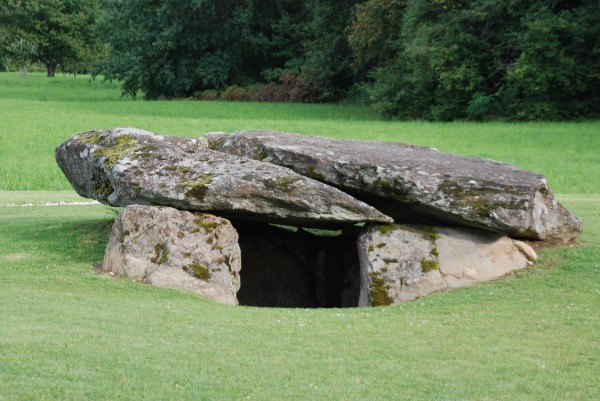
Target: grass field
68, 334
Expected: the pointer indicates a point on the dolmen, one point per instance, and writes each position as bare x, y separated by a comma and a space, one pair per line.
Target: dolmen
268, 218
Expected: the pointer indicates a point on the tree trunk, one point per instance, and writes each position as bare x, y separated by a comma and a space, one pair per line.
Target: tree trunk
51, 67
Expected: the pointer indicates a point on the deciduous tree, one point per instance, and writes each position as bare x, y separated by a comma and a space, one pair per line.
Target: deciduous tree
61, 30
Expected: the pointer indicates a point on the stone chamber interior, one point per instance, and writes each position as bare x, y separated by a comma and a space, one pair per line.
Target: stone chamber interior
297, 267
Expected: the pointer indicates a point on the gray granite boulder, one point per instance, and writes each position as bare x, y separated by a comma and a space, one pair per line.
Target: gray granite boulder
169, 248
400, 263
417, 184
125, 166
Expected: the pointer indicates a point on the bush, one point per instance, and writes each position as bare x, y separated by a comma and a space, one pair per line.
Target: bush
358, 95
210, 94
271, 92
480, 106
294, 90
253, 92
234, 93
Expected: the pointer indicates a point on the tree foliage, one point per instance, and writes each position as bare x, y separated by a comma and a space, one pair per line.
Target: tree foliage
61, 30
557, 73
167, 48
23, 52
425, 59
326, 66
177, 48
374, 31
483, 58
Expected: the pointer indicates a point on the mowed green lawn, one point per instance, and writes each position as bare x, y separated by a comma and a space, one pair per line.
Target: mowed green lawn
68, 334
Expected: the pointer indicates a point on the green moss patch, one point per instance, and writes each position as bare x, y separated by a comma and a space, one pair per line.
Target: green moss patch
430, 231
119, 147
198, 271
310, 172
389, 190
259, 154
379, 291
123, 235
283, 183
91, 138
208, 226
161, 254
386, 228
103, 188
199, 189
476, 199
428, 265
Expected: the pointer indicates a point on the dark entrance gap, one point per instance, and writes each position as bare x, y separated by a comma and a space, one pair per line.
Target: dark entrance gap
298, 268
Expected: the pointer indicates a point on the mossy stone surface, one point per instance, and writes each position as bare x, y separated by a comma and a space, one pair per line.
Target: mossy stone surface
161, 246
379, 295
181, 172
199, 271
420, 183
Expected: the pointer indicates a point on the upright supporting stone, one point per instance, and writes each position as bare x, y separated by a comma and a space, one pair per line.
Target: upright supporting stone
169, 248
401, 263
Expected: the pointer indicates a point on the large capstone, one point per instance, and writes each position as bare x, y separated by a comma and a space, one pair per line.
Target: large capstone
176, 249
417, 184
125, 166
400, 263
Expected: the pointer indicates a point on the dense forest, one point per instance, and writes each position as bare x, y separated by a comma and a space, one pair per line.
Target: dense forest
411, 59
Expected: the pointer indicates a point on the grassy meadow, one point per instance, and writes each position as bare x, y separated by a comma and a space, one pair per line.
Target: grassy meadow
69, 334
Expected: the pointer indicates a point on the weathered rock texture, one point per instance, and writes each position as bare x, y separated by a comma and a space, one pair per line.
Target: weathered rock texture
417, 184
299, 181
169, 248
125, 166
400, 263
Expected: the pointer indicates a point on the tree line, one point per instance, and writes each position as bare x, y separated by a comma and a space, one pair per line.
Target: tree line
424, 59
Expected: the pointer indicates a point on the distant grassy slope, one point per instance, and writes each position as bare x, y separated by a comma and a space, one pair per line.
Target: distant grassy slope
66, 333
39, 113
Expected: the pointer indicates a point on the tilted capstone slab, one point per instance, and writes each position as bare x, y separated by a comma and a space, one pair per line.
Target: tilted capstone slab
125, 166
417, 184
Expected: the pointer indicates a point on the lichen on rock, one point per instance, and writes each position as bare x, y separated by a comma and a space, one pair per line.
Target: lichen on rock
288, 188
430, 259
161, 246
125, 166
420, 183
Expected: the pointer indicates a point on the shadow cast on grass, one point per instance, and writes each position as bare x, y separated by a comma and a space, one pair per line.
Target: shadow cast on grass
78, 241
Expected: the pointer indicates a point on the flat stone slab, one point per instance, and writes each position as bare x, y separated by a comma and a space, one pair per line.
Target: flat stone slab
417, 184
400, 263
176, 249
125, 166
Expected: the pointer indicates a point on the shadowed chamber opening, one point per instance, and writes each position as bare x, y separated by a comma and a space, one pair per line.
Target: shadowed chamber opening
298, 268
